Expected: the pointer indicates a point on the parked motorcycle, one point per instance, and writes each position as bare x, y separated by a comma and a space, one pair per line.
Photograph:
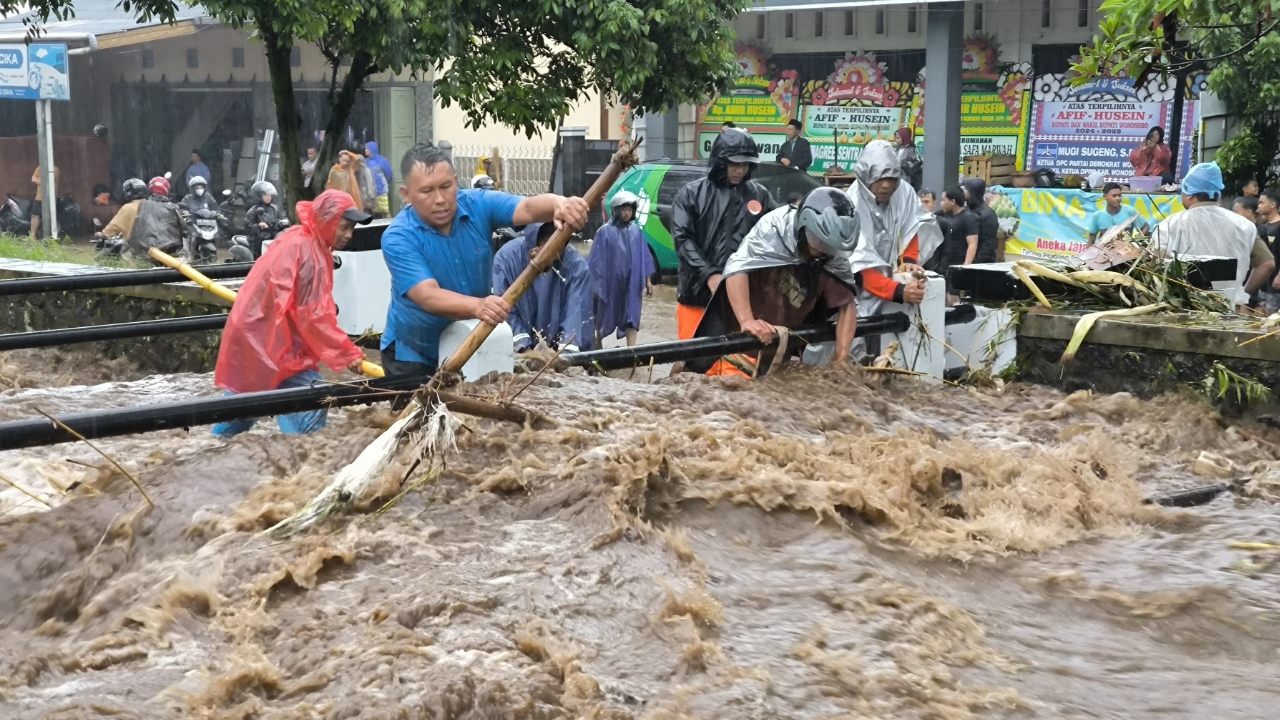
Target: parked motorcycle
69, 218
15, 216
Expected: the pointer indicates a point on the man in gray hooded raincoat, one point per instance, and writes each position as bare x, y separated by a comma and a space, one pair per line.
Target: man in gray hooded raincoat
791, 270
897, 234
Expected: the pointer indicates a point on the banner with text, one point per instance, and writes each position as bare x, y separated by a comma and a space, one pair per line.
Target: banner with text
1053, 223
991, 123
1079, 130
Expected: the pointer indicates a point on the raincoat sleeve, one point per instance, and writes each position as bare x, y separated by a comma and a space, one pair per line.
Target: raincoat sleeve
646, 257
684, 222
576, 326
507, 266
314, 314
599, 260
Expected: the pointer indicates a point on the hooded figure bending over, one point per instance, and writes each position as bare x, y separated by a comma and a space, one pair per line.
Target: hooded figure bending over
710, 216
897, 234
557, 308
791, 270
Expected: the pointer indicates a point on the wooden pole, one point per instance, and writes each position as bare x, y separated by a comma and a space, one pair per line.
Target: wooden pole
622, 159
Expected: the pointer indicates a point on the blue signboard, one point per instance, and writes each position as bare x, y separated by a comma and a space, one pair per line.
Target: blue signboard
39, 71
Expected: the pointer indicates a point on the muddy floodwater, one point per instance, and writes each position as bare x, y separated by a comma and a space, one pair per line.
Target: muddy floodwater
819, 544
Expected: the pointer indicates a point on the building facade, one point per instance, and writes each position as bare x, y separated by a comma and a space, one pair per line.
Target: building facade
853, 72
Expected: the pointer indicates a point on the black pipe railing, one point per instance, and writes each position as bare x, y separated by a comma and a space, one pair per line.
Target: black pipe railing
111, 331
680, 350
123, 278
205, 411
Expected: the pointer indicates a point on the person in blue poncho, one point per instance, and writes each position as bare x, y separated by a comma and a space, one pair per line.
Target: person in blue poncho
380, 168
621, 268
557, 308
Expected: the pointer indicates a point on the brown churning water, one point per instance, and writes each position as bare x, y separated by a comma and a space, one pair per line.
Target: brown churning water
815, 545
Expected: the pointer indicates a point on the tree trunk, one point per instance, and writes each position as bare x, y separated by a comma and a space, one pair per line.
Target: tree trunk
279, 50
339, 111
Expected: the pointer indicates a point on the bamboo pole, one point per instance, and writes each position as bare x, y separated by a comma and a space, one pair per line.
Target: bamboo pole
226, 293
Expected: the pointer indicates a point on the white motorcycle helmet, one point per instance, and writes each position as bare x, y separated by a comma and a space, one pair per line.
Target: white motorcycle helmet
198, 185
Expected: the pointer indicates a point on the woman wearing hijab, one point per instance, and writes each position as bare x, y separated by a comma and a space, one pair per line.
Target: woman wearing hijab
1152, 157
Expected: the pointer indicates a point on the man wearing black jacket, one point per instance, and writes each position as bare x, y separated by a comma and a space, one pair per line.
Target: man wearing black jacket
710, 216
795, 153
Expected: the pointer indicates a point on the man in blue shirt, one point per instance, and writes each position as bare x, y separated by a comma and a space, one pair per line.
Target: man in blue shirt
1114, 213
197, 168
439, 253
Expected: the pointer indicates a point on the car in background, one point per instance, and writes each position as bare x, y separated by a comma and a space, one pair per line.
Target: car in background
656, 184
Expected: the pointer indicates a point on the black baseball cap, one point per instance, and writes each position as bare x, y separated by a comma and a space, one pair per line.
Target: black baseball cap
357, 216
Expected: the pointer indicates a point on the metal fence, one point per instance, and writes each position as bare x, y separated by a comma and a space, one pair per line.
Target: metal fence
524, 170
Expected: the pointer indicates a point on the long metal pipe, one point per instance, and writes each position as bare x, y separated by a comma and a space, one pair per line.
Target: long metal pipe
124, 278
204, 411
111, 331
680, 350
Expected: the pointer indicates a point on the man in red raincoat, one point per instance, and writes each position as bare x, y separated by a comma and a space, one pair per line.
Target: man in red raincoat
284, 322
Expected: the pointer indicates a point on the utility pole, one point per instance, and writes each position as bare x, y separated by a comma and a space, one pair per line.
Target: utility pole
44, 146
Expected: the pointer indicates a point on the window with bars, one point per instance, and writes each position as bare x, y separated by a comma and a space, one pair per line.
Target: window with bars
148, 58
817, 24
850, 26
295, 57
1082, 14
881, 22
789, 25
193, 58
1046, 13
979, 16
237, 57
761, 24
913, 20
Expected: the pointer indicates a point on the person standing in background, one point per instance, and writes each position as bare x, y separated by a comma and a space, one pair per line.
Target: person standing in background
928, 200
197, 168
309, 167
990, 249
380, 167
908, 158
342, 176
709, 218
37, 205
621, 267
795, 153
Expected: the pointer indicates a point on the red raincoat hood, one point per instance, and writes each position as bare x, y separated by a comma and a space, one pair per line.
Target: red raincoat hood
321, 217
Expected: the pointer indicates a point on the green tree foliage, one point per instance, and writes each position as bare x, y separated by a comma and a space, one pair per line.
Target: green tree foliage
521, 63
1237, 41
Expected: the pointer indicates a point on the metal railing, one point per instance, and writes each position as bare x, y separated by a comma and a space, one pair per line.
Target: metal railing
523, 170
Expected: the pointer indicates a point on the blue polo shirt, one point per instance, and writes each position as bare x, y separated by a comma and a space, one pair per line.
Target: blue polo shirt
461, 261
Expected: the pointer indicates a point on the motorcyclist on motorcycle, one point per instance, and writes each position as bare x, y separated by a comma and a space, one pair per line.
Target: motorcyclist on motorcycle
199, 197
264, 220
159, 188
111, 239
143, 222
